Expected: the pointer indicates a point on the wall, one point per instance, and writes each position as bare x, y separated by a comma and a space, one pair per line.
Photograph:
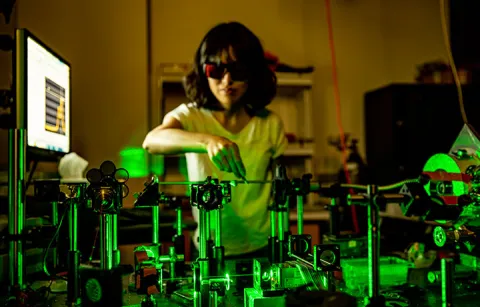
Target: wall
377, 42
361, 66
5, 80
413, 35
107, 52
105, 41
179, 26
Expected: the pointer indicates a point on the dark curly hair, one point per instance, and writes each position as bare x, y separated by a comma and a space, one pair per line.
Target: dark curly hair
262, 83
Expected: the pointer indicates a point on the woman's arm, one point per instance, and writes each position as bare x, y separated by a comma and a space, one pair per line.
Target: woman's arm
170, 138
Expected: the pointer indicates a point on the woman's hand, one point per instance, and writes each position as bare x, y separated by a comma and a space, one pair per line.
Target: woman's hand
225, 155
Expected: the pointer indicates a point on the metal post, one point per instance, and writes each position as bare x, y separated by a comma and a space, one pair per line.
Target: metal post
328, 282
273, 217
17, 144
448, 267
272, 240
218, 257
281, 225
55, 224
286, 218
116, 252
203, 296
16, 204
373, 244
334, 218
300, 214
106, 241
218, 227
179, 222
203, 234
155, 225
209, 230
73, 290
213, 299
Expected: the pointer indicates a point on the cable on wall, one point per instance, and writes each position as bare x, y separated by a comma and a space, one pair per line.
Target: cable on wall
336, 93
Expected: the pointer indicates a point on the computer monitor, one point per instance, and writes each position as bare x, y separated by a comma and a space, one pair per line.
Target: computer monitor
46, 90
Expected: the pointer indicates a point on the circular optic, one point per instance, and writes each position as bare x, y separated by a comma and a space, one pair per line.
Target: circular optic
328, 256
93, 290
206, 197
439, 236
121, 175
125, 191
108, 168
94, 175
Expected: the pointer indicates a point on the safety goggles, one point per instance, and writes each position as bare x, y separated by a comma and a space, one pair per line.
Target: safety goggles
217, 71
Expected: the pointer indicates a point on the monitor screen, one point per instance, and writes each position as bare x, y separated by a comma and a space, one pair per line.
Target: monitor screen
48, 98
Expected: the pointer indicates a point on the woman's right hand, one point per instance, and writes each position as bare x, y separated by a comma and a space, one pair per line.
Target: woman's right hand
225, 155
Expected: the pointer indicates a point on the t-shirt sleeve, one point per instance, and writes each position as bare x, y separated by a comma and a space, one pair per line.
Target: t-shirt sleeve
185, 114
280, 140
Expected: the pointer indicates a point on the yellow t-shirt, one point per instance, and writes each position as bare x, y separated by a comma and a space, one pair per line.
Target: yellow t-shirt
245, 220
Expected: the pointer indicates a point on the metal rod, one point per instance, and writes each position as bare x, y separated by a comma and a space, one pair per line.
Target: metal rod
326, 263
231, 276
203, 295
448, 267
208, 227
203, 234
213, 299
212, 277
151, 80
73, 285
281, 224
218, 227
286, 216
373, 244
273, 218
55, 224
116, 252
179, 222
301, 260
328, 282
300, 214
155, 224
106, 244
173, 257
232, 182
54, 213
16, 204
73, 225
334, 218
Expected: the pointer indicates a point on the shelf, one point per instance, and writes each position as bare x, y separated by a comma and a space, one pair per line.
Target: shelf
299, 152
283, 79
294, 80
170, 79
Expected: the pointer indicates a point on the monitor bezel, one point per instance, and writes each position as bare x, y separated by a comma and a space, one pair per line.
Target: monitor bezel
32, 151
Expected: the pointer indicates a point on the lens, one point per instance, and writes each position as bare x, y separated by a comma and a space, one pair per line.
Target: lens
125, 191
328, 256
121, 175
108, 168
237, 71
214, 71
94, 176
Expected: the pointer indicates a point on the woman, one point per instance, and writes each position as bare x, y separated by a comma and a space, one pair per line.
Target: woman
227, 133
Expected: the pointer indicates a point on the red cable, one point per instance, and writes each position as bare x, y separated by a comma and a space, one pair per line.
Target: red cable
336, 93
